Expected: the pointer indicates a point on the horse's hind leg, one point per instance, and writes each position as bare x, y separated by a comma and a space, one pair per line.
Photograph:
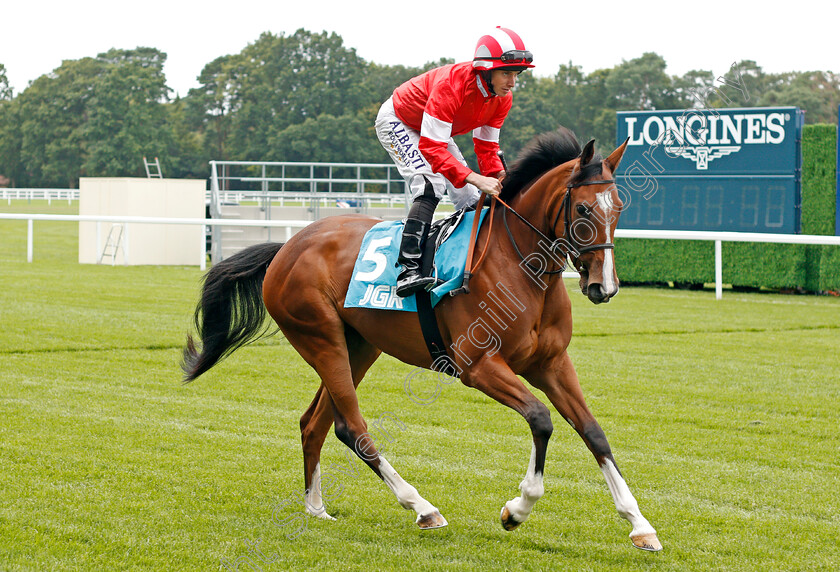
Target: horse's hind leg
328, 353
314, 426
407, 496
316, 422
560, 383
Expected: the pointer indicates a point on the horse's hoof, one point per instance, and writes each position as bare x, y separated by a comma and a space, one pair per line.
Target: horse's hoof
647, 542
508, 522
320, 514
431, 520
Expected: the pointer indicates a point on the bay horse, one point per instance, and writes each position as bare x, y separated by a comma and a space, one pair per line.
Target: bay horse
565, 195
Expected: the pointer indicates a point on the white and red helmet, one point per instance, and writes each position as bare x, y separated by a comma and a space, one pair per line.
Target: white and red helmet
501, 48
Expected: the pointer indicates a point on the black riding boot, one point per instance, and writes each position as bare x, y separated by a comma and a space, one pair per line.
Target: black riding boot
417, 223
411, 278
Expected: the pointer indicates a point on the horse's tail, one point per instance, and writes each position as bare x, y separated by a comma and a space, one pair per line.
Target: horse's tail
231, 312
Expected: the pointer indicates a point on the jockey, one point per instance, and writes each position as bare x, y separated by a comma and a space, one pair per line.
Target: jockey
417, 123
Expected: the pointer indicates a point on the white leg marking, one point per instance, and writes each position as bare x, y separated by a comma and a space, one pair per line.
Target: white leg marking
407, 495
314, 502
625, 502
532, 490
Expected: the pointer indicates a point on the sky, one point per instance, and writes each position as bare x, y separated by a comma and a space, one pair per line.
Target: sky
36, 36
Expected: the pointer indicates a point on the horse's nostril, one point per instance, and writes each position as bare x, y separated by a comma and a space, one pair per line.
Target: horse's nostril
596, 293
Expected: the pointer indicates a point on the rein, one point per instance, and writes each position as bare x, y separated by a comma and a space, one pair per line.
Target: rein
535, 229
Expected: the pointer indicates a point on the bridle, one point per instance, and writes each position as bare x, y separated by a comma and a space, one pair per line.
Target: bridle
565, 207
567, 222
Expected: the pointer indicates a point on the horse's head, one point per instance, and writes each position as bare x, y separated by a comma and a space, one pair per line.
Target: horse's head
591, 208
574, 193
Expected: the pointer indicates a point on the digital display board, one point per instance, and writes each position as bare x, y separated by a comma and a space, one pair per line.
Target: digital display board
735, 169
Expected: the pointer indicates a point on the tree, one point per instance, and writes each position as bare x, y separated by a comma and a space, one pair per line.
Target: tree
742, 86
379, 82
93, 117
5, 89
126, 119
9, 133
276, 82
641, 83
348, 138
53, 110
818, 93
184, 155
209, 108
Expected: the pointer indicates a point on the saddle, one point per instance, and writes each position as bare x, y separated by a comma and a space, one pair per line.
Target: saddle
439, 232
374, 278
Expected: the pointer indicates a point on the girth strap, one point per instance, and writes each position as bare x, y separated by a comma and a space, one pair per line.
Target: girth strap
431, 333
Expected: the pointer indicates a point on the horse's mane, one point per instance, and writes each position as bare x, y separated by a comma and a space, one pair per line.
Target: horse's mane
543, 153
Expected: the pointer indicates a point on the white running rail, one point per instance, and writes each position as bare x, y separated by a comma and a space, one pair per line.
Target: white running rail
717, 237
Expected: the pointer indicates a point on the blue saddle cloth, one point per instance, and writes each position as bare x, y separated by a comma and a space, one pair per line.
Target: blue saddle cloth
374, 282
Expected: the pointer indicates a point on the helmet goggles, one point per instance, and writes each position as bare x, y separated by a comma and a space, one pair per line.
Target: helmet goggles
515, 57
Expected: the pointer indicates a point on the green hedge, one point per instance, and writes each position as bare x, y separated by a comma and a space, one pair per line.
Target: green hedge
830, 268
646, 260
819, 159
813, 268
819, 203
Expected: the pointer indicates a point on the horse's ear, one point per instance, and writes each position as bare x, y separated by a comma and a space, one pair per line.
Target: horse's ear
587, 153
615, 157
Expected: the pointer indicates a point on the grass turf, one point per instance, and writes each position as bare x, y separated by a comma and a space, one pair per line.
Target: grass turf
722, 416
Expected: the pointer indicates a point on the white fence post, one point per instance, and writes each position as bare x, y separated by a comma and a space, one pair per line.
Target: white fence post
203, 264
29, 237
125, 244
718, 270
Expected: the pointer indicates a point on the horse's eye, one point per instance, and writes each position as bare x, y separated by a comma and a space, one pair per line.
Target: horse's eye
582, 210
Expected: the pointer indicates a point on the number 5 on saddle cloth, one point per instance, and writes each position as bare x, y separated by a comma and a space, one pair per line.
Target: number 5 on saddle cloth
374, 280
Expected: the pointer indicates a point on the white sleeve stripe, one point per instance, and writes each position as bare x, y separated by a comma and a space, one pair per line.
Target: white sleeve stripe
435, 129
486, 133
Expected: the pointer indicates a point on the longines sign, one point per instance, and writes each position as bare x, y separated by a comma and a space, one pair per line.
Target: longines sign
739, 140
712, 169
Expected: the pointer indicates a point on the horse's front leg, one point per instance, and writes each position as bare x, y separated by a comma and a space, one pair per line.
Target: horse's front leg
560, 383
494, 378
516, 511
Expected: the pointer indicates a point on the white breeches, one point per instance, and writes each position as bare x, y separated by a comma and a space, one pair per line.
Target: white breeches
401, 142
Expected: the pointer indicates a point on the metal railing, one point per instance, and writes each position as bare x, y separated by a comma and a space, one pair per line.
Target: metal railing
280, 175
717, 237
307, 198
315, 184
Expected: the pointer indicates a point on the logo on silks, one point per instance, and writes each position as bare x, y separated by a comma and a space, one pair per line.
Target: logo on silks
702, 136
403, 148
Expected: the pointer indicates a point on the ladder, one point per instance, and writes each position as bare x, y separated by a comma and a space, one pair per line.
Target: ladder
152, 168
113, 244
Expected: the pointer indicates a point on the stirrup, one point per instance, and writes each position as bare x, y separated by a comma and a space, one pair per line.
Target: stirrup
411, 286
